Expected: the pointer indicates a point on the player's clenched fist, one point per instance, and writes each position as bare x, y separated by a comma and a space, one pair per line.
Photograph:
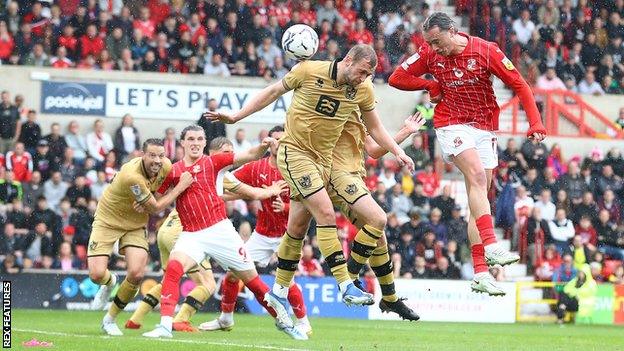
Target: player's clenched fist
186, 179
405, 160
268, 142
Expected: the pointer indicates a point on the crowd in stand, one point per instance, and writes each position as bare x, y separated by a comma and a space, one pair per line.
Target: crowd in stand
557, 44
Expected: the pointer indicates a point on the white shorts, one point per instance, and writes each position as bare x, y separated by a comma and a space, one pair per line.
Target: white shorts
460, 137
220, 242
260, 248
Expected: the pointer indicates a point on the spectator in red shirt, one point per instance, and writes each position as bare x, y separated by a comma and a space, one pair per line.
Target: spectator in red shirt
360, 35
282, 12
586, 231
384, 66
429, 249
348, 14
196, 29
36, 21
91, 43
20, 162
61, 60
69, 41
429, 179
308, 265
307, 15
7, 44
371, 179
159, 10
145, 24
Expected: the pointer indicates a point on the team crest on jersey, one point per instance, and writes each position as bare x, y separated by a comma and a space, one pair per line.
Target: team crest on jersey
458, 72
196, 168
136, 190
350, 92
319, 83
457, 142
351, 189
471, 65
508, 64
93, 245
305, 181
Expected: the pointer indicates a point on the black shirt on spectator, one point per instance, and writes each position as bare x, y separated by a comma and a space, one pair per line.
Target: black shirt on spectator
9, 191
9, 115
30, 135
450, 273
425, 273
445, 205
57, 145
74, 192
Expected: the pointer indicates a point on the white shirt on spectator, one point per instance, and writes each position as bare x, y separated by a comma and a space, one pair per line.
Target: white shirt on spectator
552, 84
547, 209
388, 181
561, 231
99, 146
391, 21
242, 146
54, 193
221, 70
527, 202
97, 189
586, 88
269, 54
523, 30
129, 139
78, 144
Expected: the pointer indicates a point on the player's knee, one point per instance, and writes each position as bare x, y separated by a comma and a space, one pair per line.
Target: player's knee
97, 275
326, 216
478, 178
135, 276
378, 220
231, 278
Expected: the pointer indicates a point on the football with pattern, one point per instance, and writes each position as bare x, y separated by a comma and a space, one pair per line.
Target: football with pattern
300, 42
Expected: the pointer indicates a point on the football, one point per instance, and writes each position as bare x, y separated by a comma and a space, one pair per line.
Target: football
300, 42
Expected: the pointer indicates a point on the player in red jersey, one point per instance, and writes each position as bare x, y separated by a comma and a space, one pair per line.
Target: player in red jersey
264, 241
207, 230
465, 119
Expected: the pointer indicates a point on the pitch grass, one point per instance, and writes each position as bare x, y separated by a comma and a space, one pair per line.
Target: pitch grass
73, 330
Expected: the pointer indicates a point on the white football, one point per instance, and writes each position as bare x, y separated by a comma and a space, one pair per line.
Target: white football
300, 42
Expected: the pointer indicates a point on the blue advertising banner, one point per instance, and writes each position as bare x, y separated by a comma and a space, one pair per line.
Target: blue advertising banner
321, 296
72, 98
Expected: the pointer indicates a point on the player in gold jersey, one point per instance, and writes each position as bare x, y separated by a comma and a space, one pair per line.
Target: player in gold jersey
349, 193
325, 95
117, 220
201, 275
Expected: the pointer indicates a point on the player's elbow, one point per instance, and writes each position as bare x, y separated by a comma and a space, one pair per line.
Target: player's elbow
394, 78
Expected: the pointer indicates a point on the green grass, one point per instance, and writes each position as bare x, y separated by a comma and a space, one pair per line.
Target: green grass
73, 330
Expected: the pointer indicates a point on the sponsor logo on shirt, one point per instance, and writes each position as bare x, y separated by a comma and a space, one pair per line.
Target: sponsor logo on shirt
458, 72
471, 65
508, 64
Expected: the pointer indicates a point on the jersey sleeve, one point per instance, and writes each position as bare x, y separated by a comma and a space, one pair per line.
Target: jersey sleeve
407, 76
222, 161
367, 102
243, 174
167, 183
230, 182
294, 78
503, 68
138, 187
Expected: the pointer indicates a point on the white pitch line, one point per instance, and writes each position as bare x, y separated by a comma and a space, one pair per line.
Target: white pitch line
44, 332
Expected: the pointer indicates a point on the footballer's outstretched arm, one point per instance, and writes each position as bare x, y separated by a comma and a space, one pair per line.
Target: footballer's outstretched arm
411, 125
158, 202
248, 192
257, 103
255, 153
379, 133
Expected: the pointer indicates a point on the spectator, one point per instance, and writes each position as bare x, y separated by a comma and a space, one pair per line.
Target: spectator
545, 205
20, 162
240, 143
444, 202
30, 132
116, 43
171, 143
523, 27
579, 291
437, 226
90, 43
429, 180
76, 142
566, 271
589, 85
79, 189
99, 143
56, 143
548, 265
68, 169
561, 230
420, 270
268, 51
66, 261
308, 265
216, 67
32, 189
9, 123
360, 34
98, 187
127, 138
406, 252
445, 271
535, 153
387, 178
42, 160
524, 204
54, 189
145, 24
429, 248
610, 237
608, 181
587, 208
398, 203
572, 183
10, 189
612, 205
11, 242
550, 81
61, 60
37, 244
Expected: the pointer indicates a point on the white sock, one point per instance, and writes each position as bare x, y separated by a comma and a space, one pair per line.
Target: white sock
112, 281
280, 291
167, 322
108, 318
303, 320
227, 316
344, 285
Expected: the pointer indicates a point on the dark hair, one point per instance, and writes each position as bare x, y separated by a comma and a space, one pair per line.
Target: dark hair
363, 52
193, 127
440, 20
217, 143
276, 129
152, 141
